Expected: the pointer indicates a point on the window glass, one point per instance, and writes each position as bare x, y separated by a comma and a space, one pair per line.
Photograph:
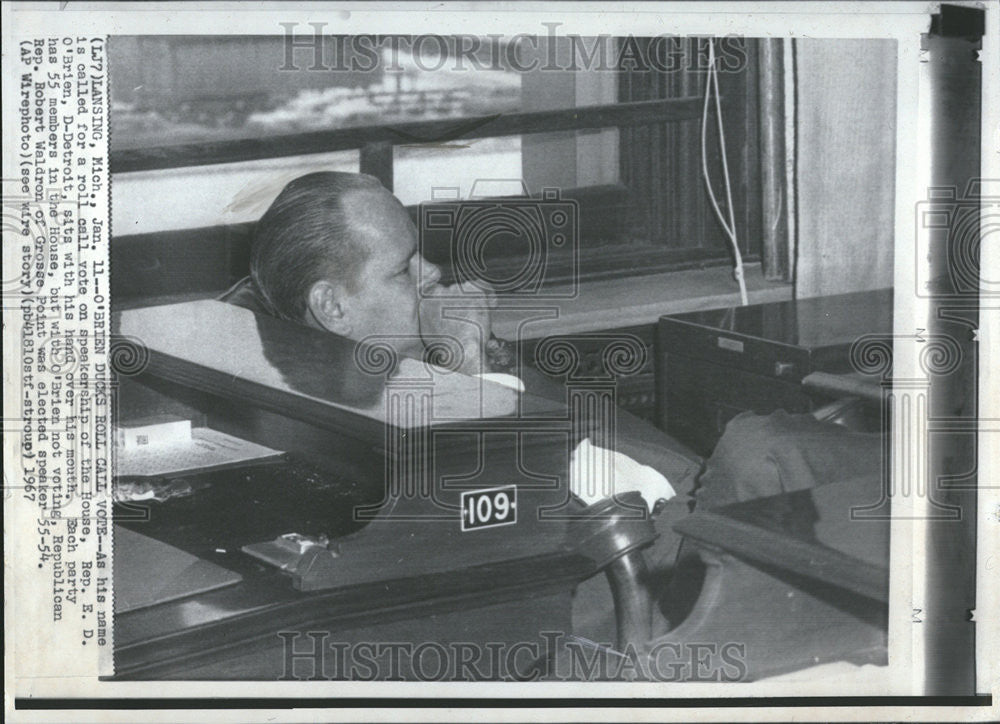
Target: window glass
639, 187
178, 89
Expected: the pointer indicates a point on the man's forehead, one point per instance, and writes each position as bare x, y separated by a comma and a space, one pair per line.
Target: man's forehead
377, 217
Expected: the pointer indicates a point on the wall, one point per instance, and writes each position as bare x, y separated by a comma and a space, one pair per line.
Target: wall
846, 161
566, 160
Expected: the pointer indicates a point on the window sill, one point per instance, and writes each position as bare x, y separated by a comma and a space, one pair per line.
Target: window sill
632, 301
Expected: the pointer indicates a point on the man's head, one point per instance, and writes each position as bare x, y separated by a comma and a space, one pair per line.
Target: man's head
338, 251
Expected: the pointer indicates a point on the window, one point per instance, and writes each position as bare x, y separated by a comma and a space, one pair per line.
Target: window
613, 123
180, 89
661, 163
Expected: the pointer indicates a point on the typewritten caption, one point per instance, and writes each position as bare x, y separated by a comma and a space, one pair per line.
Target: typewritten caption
57, 205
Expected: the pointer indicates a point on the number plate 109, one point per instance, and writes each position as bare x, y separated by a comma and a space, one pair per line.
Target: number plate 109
489, 508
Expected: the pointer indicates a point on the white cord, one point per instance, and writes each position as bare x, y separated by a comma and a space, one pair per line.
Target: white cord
713, 82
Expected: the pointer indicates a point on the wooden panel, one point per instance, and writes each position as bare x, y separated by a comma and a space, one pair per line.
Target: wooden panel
695, 398
772, 622
791, 580
503, 626
178, 262
163, 642
808, 533
377, 160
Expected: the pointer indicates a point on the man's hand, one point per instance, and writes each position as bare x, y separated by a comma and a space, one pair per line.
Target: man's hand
461, 312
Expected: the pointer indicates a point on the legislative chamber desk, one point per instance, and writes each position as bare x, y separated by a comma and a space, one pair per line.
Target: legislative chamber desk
795, 579
711, 365
373, 461
375, 454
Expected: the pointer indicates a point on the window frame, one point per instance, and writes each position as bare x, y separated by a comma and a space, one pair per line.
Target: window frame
600, 257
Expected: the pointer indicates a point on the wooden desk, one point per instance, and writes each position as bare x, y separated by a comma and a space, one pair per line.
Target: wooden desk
712, 365
385, 487
792, 578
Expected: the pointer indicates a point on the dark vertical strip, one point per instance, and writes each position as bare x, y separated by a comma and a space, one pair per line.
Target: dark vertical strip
750, 158
793, 185
714, 236
687, 173
658, 156
376, 160
774, 194
669, 88
955, 77
737, 85
695, 184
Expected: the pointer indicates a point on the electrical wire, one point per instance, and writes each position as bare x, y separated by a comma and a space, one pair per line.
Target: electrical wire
712, 82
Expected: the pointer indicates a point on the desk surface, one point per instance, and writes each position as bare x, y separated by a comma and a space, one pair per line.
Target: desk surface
809, 533
815, 322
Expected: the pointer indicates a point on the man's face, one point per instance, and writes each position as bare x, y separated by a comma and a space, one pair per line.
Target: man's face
385, 300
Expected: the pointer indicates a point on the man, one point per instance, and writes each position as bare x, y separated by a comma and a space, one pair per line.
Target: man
338, 252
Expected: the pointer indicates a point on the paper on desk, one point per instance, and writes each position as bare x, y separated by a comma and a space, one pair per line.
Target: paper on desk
205, 449
596, 473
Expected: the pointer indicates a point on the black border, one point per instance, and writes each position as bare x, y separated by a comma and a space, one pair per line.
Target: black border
288, 703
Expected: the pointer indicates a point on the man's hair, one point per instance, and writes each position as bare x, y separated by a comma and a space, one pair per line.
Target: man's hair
304, 237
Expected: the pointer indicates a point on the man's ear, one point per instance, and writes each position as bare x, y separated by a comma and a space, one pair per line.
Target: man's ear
326, 308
